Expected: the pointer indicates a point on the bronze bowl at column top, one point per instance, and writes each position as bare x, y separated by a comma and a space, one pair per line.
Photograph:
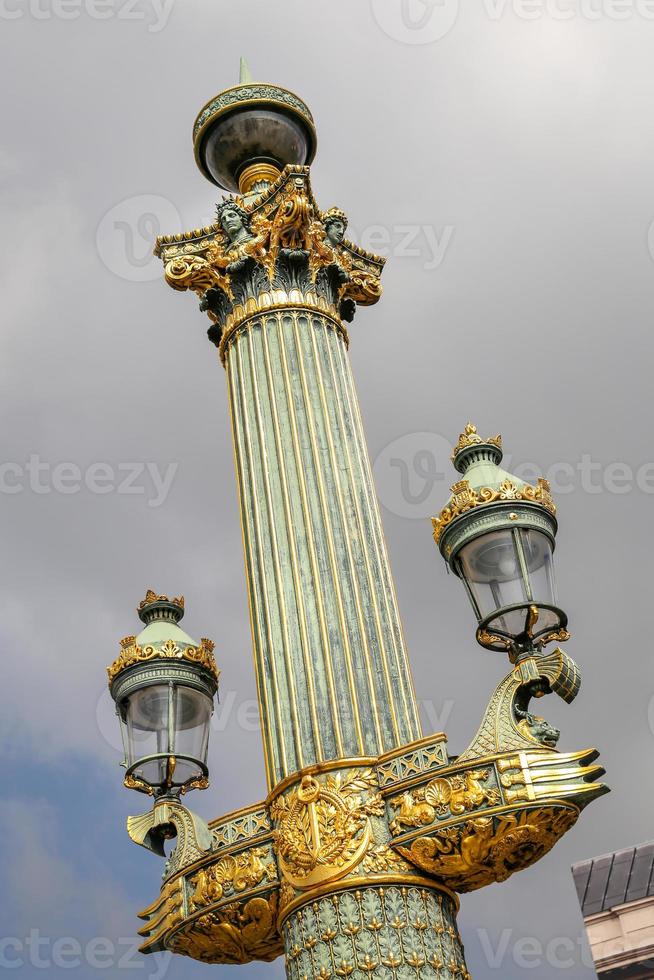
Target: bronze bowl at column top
252, 123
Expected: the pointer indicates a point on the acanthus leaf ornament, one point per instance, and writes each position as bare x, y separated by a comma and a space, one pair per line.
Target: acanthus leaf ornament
279, 250
134, 654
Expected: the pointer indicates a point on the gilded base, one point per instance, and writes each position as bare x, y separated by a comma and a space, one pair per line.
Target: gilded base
351, 867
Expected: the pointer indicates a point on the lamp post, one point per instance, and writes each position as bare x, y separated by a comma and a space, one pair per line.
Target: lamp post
351, 864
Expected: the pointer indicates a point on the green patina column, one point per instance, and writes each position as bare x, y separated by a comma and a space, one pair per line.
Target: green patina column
332, 668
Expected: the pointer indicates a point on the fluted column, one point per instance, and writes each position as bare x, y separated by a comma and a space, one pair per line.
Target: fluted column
332, 670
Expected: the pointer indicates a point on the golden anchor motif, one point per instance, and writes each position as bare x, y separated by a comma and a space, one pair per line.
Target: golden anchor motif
323, 830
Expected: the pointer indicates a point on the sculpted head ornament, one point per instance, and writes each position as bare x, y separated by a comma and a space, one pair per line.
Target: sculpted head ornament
234, 221
335, 222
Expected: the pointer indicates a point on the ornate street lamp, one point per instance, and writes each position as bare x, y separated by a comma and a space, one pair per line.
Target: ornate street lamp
349, 865
164, 683
497, 533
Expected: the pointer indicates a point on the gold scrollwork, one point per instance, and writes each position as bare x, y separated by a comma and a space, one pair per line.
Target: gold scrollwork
465, 497
469, 437
323, 829
491, 848
284, 219
133, 782
151, 596
232, 874
134, 654
235, 934
202, 782
363, 287
447, 795
194, 272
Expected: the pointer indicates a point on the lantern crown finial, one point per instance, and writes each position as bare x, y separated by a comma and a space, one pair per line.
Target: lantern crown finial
156, 606
471, 447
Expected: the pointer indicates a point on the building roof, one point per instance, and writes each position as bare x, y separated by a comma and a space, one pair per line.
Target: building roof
615, 879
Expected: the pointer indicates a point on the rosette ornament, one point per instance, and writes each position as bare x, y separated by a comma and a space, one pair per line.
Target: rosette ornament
164, 684
497, 534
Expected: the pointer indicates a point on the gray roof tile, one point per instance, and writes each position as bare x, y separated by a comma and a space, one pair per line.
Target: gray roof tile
615, 879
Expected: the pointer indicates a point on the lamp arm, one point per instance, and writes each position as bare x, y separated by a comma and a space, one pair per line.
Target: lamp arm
167, 820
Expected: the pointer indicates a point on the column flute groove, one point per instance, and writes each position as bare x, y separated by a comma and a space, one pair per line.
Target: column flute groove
389, 693
293, 544
276, 699
284, 619
341, 506
311, 548
330, 549
264, 707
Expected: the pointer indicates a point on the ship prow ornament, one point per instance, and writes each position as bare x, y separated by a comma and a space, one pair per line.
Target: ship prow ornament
352, 863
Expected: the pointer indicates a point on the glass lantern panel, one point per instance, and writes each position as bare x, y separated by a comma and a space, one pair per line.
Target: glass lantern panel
147, 722
513, 623
192, 718
491, 566
537, 549
153, 772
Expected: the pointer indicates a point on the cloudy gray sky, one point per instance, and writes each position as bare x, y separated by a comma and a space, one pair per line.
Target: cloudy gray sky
502, 157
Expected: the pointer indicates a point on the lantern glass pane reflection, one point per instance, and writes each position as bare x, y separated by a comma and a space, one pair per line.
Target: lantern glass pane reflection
192, 721
163, 721
510, 567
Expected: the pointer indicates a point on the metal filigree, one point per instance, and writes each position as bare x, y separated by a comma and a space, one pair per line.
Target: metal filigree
279, 250
489, 849
231, 875
246, 95
323, 829
151, 596
465, 497
134, 654
469, 437
237, 933
445, 796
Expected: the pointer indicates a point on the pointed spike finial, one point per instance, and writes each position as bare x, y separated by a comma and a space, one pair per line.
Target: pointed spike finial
245, 75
